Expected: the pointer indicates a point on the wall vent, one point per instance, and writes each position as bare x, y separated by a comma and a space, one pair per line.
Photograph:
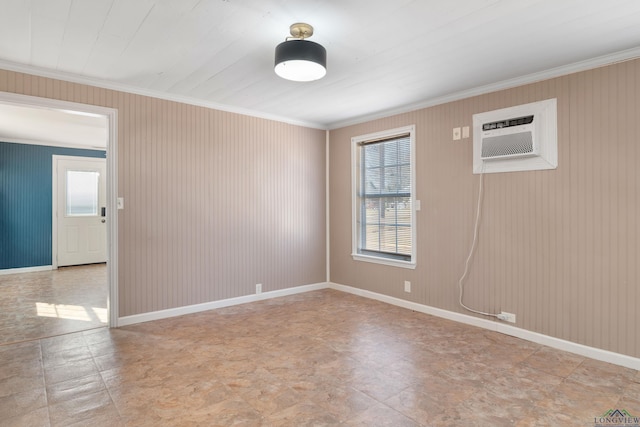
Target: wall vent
517, 138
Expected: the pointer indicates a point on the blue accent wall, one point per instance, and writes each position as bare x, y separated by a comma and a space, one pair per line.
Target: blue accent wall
25, 202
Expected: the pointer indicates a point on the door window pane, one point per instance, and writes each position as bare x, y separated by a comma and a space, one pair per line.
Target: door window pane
82, 193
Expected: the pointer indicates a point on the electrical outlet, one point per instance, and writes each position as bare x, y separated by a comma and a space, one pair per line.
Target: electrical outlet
507, 317
259, 288
407, 286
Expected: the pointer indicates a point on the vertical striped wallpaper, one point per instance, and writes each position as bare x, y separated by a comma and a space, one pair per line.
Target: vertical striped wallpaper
215, 202
26, 202
558, 248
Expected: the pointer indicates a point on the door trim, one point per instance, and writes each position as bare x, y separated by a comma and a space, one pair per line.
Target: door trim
112, 180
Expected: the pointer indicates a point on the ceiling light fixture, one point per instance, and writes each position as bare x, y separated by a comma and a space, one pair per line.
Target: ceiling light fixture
298, 59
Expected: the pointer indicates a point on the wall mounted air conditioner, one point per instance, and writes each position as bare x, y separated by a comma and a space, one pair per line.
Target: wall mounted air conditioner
517, 138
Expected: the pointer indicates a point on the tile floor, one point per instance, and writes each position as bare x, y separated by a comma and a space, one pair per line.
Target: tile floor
322, 358
48, 303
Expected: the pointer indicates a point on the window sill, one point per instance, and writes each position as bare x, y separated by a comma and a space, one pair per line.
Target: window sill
385, 261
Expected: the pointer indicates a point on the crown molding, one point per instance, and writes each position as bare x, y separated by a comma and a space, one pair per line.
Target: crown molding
600, 61
121, 87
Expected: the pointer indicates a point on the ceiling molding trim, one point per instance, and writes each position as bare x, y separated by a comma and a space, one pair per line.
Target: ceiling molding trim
589, 64
121, 87
585, 65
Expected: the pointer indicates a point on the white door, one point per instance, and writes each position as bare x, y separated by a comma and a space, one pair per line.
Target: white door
81, 186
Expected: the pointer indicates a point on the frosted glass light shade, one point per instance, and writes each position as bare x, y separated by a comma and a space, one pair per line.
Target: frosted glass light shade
300, 60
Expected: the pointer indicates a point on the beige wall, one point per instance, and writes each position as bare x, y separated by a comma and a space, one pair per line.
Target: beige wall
215, 202
560, 249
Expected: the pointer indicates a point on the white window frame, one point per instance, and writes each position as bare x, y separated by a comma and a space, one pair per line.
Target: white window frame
355, 224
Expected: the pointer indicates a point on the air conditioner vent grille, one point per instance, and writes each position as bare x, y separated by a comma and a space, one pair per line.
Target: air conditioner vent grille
514, 145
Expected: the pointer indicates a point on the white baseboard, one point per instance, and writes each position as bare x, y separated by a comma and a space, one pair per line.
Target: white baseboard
494, 325
196, 308
26, 270
571, 347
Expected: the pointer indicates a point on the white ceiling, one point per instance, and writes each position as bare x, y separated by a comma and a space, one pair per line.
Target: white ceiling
383, 56
46, 126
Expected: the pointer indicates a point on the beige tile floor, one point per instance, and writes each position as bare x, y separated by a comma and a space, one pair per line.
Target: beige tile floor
48, 303
323, 358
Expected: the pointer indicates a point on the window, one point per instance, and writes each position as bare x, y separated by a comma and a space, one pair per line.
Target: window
82, 193
383, 197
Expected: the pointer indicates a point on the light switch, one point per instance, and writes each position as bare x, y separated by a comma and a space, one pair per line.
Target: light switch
465, 132
456, 134
417, 205
120, 202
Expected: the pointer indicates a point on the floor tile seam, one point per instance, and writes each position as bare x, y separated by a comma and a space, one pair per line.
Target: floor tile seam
340, 419
64, 334
630, 384
63, 362
402, 390
95, 353
507, 369
383, 403
528, 355
523, 363
566, 408
528, 399
344, 420
47, 386
44, 381
240, 395
85, 394
582, 362
622, 390
93, 357
566, 380
620, 399
305, 401
26, 340
102, 345
47, 383
113, 402
619, 394
568, 354
85, 415
520, 364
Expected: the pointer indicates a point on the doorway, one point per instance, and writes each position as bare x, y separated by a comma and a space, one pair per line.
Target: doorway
108, 233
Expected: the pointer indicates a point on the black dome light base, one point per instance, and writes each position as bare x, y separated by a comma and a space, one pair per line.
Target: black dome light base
298, 59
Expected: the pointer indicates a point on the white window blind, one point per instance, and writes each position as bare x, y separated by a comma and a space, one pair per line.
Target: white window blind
384, 214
